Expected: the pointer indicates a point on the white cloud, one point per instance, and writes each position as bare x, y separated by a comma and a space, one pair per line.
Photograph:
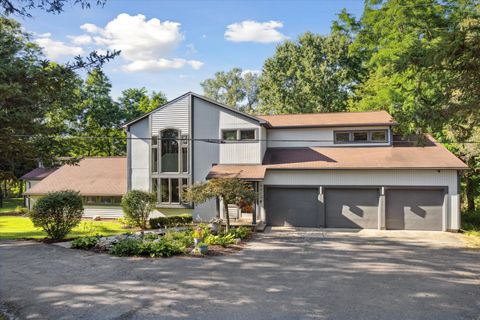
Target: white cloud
161, 64
55, 49
253, 31
81, 40
145, 44
90, 27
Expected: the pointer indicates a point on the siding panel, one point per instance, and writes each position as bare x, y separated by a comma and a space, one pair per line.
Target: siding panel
174, 115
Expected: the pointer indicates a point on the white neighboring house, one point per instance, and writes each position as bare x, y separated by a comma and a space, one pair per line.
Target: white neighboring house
334, 170
32, 178
101, 181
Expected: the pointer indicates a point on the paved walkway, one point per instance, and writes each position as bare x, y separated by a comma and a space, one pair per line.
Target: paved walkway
282, 274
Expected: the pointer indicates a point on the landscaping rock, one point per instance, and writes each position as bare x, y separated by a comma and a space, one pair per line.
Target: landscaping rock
97, 218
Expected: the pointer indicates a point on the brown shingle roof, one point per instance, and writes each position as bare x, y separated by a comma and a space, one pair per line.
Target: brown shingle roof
38, 174
339, 119
401, 156
247, 172
91, 176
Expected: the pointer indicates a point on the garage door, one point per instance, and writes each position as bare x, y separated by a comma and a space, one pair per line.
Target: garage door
293, 207
414, 209
351, 208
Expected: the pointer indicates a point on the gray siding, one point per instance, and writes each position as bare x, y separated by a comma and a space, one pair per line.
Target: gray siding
173, 115
138, 156
206, 119
323, 134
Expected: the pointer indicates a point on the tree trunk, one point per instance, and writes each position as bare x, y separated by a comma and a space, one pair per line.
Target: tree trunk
227, 214
1, 196
470, 193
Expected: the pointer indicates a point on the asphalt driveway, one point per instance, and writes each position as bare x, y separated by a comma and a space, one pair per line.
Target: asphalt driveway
280, 275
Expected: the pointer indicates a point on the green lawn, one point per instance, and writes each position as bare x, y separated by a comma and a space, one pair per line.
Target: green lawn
9, 204
12, 227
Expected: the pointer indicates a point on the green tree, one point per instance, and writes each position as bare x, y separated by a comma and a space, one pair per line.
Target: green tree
312, 74
57, 213
35, 96
137, 206
99, 119
135, 102
228, 190
234, 88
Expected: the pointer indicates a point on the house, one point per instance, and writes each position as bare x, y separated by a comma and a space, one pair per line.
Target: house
101, 181
32, 178
335, 170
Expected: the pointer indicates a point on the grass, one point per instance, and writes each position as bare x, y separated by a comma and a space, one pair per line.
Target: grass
9, 204
12, 227
471, 225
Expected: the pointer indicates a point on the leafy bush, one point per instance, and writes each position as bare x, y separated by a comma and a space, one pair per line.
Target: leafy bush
184, 238
57, 213
222, 240
127, 247
171, 221
137, 206
125, 222
240, 232
21, 210
161, 248
471, 221
84, 243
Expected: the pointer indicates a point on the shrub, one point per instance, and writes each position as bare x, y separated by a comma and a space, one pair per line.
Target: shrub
137, 206
127, 247
471, 221
161, 248
171, 221
125, 222
57, 213
84, 243
185, 238
21, 210
222, 240
240, 232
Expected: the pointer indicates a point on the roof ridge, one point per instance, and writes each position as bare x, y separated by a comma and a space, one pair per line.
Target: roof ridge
312, 113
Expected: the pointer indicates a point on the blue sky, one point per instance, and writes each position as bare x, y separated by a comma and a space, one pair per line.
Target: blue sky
172, 46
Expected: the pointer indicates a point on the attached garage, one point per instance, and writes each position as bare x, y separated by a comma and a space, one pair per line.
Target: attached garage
351, 208
414, 209
341, 207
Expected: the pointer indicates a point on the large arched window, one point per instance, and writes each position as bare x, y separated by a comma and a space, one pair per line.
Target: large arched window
169, 150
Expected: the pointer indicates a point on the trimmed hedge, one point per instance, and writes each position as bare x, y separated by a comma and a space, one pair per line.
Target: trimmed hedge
171, 221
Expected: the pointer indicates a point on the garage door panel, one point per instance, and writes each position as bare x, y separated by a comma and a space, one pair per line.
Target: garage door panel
351, 208
414, 209
292, 207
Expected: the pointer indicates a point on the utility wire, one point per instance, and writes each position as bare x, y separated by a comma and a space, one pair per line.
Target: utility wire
207, 140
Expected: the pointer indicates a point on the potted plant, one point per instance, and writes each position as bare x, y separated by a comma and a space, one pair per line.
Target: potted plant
197, 236
202, 248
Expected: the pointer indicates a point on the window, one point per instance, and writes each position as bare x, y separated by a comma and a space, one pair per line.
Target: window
342, 137
169, 152
229, 135
378, 136
155, 185
90, 200
247, 134
171, 190
185, 159
360, 136
106, 200
238, 134
154, 154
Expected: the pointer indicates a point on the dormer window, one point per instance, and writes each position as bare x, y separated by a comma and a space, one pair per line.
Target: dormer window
360, 136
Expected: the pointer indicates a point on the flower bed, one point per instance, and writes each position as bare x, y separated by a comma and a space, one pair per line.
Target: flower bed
167, 242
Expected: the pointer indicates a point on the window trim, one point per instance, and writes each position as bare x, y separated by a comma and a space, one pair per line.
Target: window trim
181, 186
369, 136
238, 135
